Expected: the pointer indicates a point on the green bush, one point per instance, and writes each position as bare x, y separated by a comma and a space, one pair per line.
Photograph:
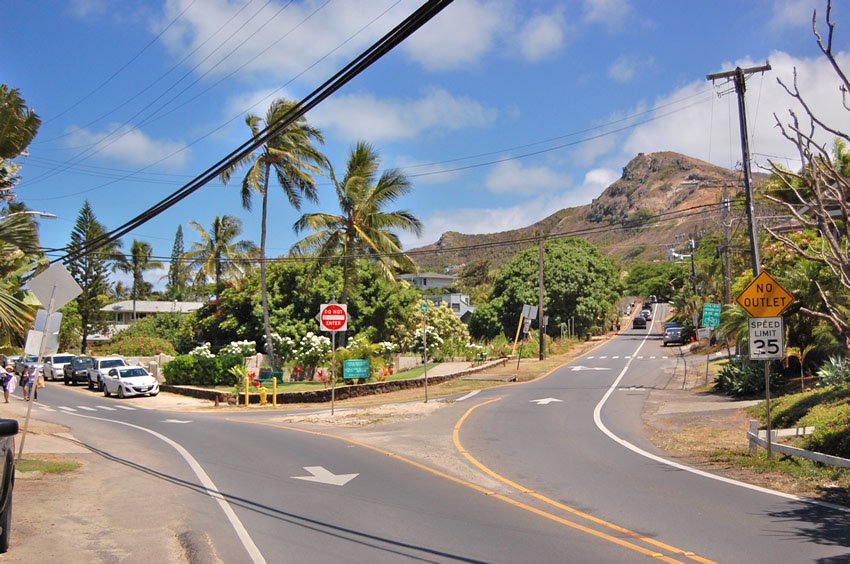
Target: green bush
835, 372
196, 370
181, 370
831, 424
140, 345
736, 379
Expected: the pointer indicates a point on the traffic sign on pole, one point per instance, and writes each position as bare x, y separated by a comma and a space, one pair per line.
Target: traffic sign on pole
764, 297
710, 315
767, 338
333, 317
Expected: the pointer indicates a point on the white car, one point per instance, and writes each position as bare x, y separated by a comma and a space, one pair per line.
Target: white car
53, 365
101, 366
129, 381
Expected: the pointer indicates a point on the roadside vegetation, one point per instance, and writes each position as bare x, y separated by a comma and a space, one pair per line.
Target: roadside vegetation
47, 466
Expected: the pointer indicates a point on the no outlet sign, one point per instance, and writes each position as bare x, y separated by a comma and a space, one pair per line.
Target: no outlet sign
333, 317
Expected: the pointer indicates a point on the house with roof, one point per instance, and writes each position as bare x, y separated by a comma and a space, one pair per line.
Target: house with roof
429, 280
459, 304
124, 313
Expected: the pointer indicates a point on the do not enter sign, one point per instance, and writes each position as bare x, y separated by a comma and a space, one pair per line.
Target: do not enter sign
333, 317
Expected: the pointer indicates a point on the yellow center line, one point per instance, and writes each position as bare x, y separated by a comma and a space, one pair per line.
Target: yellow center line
480, 489
559, 505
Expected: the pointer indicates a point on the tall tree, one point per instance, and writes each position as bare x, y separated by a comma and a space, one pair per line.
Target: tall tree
18, 126
217, 254
363, 227
294, 158
178, 270
91, 271
19, 252
136, 265
818, 195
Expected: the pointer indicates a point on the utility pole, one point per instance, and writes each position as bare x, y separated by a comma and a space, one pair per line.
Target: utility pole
738, 77
540, 325
692, 245
727, 269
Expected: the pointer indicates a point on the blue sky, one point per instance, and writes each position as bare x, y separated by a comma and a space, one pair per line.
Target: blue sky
139, 96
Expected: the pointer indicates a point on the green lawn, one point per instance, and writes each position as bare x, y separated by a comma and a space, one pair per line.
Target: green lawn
309, 386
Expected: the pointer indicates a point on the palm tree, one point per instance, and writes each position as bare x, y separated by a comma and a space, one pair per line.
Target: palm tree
294, 158
139, 262
362, 227
18, 252
213, 255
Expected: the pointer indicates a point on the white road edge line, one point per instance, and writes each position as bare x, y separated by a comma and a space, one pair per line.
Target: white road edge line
212, 490
597, 419
469, 395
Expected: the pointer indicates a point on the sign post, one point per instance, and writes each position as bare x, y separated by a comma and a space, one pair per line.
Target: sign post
425, 346
765, 300
333, 317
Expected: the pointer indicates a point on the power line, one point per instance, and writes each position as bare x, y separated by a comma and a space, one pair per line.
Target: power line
363, 61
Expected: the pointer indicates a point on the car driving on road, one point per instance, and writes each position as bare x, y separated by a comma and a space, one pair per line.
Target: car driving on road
77, 370
101, 366
54, 365
129, 381
638, 322
673, 336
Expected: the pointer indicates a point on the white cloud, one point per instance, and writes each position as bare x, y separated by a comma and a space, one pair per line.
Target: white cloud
364, 116
494, 220
278, 39
459, 35
542, 35
626, 67
609, 13
129, 145
85, 8
693, 132
513, 177
794, 13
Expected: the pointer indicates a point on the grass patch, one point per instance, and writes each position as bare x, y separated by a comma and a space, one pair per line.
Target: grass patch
47, 466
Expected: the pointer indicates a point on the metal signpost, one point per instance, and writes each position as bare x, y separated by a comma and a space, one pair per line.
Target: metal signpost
54, 287
425, 347
765, 300
333, 317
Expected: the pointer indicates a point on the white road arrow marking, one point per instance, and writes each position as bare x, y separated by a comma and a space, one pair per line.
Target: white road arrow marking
324, 476
175, 421
544, 401
578, 368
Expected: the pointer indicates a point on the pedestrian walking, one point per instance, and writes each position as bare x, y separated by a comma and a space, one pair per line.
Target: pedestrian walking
29, 383
11, 382
4, 381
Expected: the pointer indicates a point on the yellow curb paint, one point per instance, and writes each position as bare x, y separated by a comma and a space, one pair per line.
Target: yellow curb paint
518, 504
459, 446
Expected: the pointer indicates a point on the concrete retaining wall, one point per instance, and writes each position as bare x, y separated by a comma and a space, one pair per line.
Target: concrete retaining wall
324, 395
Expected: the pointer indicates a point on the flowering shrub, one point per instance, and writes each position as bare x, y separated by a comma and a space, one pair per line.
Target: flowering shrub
386, 350
202, 351
476, 353
244, 348
284, 347
432, 340
312, 351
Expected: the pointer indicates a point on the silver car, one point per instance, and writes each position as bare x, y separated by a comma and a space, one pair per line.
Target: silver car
54, 365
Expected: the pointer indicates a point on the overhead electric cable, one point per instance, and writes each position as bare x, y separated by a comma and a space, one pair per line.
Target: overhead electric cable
383, 46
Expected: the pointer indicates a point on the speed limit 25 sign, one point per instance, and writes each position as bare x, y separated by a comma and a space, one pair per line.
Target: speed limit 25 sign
767, 338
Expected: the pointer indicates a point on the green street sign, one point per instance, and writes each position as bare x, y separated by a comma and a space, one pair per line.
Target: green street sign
356, 368
710, 315
424, 307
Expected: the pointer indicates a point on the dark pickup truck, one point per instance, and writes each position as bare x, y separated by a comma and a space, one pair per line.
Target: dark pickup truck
8, 430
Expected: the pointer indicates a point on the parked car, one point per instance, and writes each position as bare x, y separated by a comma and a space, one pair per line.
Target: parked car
99, 367
674, 336
53, 365
129, 381
638, 322
77, 370
24, 362
8, 430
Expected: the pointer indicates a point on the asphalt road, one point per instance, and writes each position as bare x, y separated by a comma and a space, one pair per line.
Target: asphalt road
560, 450
566, 476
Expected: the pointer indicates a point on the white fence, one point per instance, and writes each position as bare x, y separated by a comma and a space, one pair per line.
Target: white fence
758, 438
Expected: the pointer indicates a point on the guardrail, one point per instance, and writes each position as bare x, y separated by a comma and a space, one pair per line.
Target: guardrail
758, 438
